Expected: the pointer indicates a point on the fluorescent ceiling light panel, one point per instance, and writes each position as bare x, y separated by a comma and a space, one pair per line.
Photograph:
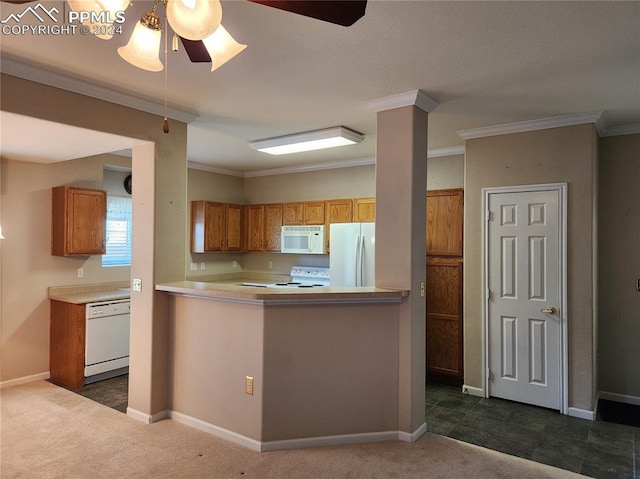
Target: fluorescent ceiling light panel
308, 141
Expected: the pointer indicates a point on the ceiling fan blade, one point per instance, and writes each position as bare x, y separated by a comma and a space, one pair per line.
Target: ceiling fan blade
196, 50
340, 12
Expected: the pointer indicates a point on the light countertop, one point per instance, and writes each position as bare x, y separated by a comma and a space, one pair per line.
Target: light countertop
90, 293
234, 291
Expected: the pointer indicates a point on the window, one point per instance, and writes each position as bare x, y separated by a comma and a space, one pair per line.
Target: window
118, 232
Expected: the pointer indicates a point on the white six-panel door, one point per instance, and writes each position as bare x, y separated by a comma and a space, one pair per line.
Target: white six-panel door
524, 297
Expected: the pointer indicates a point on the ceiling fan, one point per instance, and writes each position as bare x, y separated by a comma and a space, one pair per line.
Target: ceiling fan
197, 24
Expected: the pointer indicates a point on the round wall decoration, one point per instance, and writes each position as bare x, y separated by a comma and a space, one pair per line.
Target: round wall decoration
127, 184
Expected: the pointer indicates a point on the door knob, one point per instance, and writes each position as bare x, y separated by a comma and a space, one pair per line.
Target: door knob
548, 310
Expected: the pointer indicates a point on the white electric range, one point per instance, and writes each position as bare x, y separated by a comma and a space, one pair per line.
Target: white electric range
301, 277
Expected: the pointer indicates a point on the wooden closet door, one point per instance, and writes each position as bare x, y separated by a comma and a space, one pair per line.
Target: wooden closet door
444, 316
444, 222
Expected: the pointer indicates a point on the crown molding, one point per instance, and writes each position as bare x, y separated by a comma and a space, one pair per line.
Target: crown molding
631, 129
213, 169
411, 98
533, 125
312, 167
26, 71
446, 151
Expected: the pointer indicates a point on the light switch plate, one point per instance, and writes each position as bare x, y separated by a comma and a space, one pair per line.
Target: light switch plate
136, 285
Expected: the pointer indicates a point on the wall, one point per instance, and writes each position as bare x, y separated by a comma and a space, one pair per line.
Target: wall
28, 267
205, 185
619, 265
159, 220
445, 172
554, 155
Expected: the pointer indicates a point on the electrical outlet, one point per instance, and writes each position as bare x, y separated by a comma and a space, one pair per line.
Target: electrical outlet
202, 265
136, 285
248, 385
80, 272
194, 266
270, 265
235, 263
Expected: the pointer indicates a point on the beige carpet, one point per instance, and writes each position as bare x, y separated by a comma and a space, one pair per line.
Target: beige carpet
49, 432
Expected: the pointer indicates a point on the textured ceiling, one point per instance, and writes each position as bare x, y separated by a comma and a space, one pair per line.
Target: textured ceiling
486, 63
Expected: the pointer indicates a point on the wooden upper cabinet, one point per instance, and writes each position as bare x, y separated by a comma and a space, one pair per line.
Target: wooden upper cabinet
314, 212
272, 227
293, 213
263, 227
78, 221
364, 210
444, 222
254, 227
304, 213
337, 211
215, 227
233, 227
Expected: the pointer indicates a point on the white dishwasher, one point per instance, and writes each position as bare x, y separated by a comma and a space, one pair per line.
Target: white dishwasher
107, 338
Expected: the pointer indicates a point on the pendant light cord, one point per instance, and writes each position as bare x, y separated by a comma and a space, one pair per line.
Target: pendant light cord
165, 123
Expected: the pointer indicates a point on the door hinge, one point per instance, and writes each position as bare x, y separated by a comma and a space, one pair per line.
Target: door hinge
488, 294
489, 215
489, 374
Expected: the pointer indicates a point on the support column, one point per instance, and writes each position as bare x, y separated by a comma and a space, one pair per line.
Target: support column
401, 179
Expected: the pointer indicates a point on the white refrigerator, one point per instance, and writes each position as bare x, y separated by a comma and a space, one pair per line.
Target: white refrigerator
352, 254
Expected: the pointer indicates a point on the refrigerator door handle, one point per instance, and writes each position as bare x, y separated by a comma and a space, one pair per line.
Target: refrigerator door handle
362, 243
356, 270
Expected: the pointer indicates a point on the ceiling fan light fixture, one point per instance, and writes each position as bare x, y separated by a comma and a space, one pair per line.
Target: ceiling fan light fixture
102, 9
221, 47
194, 19
308, 141
143, 49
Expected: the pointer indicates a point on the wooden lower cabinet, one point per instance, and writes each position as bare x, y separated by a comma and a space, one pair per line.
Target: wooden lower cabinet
66, 343
444, 317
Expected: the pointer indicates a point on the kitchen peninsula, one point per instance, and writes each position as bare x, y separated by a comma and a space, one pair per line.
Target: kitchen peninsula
323, 363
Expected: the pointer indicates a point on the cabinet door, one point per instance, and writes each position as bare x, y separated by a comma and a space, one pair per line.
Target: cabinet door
214, 227
314, 213
444, 316
78, 221
233, 227
337, 211
444, 222
66, 343
364, 210
272, 227
293, 213
255, 227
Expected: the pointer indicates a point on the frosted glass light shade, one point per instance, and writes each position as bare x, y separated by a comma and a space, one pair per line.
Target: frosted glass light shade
1, 235
97, 6
143, 49
194, 19
92, 6
221, 47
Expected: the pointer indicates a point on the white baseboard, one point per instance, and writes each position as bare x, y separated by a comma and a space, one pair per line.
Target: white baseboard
471, 391
25, 380
216, 431
306, 442
625, 398
412, 436
582, 413
147, 418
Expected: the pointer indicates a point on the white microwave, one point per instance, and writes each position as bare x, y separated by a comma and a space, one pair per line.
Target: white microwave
302, 239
